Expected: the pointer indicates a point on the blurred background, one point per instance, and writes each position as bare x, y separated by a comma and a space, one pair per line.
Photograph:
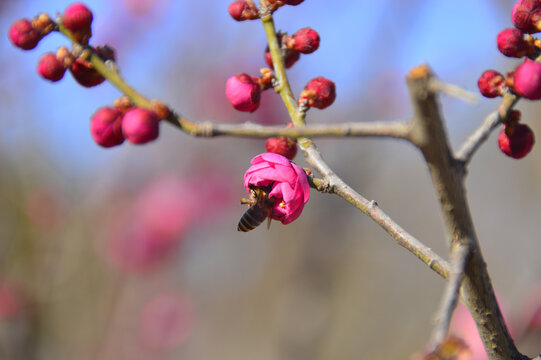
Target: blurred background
81, 277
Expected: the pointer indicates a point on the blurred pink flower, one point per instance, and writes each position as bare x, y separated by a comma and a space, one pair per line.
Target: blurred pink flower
166, 321
464, 327
532, 310
45, 209
287, 182
11, 301
163, 206
136, 248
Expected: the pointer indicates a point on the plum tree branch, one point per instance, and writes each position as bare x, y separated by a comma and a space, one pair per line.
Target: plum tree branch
429, 135
479, 136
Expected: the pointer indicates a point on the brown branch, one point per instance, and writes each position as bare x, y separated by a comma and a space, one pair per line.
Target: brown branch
450, 295
491, 122
429, 135
394, 129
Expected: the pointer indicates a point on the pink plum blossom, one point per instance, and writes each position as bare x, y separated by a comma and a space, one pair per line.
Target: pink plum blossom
288, 183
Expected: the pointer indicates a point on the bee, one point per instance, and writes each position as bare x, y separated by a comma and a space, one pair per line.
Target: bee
260, 209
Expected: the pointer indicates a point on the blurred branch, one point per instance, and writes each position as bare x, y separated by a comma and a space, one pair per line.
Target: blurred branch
437, 85
429, 134
450, 295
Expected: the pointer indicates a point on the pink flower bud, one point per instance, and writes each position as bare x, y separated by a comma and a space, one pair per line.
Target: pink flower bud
306, 40
527, 80
526, 16
77, 17
85, 74
106, 127
516, 140
241, 10
140, 126
287, 182
511, 43
243, 92
50, 67
166, 321
490, 83
292, 2
319, 93
282, 145
23, 35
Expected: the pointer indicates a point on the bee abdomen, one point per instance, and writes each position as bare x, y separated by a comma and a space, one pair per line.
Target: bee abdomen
252, 218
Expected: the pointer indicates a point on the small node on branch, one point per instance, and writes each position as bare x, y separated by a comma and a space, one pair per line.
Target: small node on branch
160, 109
320, 93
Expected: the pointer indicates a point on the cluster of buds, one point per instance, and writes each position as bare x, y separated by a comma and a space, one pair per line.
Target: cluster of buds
110, 126
243, 91
77, 18
516, 140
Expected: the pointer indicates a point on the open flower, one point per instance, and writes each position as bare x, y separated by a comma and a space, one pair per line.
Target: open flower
287, 181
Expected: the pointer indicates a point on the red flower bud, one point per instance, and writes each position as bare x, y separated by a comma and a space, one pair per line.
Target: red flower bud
50, 67
292, 2
85, 74
319, 93
282, 145
526, 16
306, 40
77, 17
290, 57
106, 127
490, 83
140, 126
241, 10
516, 140
511, 43
527, 80
23, 35
243, 92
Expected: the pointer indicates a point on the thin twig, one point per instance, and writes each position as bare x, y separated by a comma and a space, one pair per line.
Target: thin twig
394, 129
449, 301
440, 86
491, 122
335, 185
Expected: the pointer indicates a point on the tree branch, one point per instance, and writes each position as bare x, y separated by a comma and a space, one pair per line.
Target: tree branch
429, 135
450, 295
491, 122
